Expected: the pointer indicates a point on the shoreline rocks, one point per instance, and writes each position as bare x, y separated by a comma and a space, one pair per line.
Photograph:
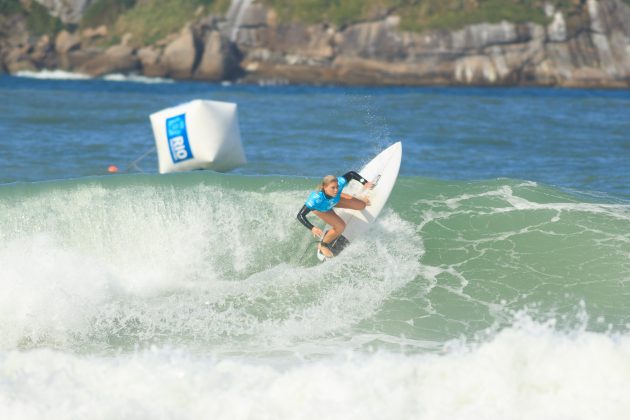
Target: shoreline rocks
589, 49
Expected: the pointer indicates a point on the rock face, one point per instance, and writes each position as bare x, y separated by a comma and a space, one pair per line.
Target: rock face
219, 60
180, 55
591, 49
66, 42
588, 48
150, 62
116, 59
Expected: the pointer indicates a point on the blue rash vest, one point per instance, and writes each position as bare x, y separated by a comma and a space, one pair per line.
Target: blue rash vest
320, 202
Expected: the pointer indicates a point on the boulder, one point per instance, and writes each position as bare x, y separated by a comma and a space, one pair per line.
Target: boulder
18, 60
93, 33
150, 61
179, 55
218, 60
116, 59
66, 42
77, 58
43, 48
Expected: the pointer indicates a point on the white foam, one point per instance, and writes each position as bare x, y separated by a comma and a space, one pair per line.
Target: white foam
113, 77
52, 74
516, 203
189, 264
190, 267
136, 78
48, 293
523, 373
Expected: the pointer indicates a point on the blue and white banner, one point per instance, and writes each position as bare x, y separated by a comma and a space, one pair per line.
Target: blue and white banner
178, 138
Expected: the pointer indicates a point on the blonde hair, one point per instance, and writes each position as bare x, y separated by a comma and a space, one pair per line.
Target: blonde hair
327, 180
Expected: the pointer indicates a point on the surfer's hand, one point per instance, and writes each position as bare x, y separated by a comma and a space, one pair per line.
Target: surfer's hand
317, 232
368, 185
366, 200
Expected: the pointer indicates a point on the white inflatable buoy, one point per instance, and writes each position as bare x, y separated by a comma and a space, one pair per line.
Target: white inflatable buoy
198, 135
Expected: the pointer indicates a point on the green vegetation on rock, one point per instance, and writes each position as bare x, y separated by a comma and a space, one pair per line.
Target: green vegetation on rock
454, 14
150, 20
105, 12
335, 12
38, 20
10, 7
154, 19
416, 15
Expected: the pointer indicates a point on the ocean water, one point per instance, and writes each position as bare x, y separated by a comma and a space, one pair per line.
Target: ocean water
495, 284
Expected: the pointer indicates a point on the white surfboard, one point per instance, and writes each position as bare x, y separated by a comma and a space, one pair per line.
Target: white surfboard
383, 172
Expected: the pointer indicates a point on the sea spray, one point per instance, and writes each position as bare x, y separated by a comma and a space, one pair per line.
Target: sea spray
199, 295
219, 263
197, 264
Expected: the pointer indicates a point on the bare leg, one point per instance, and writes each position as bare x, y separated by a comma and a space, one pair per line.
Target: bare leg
338, 226
351, 203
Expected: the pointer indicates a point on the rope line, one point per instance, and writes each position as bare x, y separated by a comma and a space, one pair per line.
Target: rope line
134, 164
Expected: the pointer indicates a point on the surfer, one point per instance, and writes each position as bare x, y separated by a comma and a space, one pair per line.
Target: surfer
321, 203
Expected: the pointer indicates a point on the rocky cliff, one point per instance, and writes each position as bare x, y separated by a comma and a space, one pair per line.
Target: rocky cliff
589, 47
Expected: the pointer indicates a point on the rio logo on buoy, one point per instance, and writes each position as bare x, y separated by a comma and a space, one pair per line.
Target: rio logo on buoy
178, 138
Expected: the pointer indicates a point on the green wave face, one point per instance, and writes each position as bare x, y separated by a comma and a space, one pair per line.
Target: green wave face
221, 262
496, 248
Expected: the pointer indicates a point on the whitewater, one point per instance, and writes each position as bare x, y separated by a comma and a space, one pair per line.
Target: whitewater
198, 295
187, 296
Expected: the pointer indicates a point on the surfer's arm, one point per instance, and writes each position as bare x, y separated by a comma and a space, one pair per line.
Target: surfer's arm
354, 175
302, 218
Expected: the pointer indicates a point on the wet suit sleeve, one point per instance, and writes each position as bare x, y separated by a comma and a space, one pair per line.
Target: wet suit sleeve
353, 175
302, 217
